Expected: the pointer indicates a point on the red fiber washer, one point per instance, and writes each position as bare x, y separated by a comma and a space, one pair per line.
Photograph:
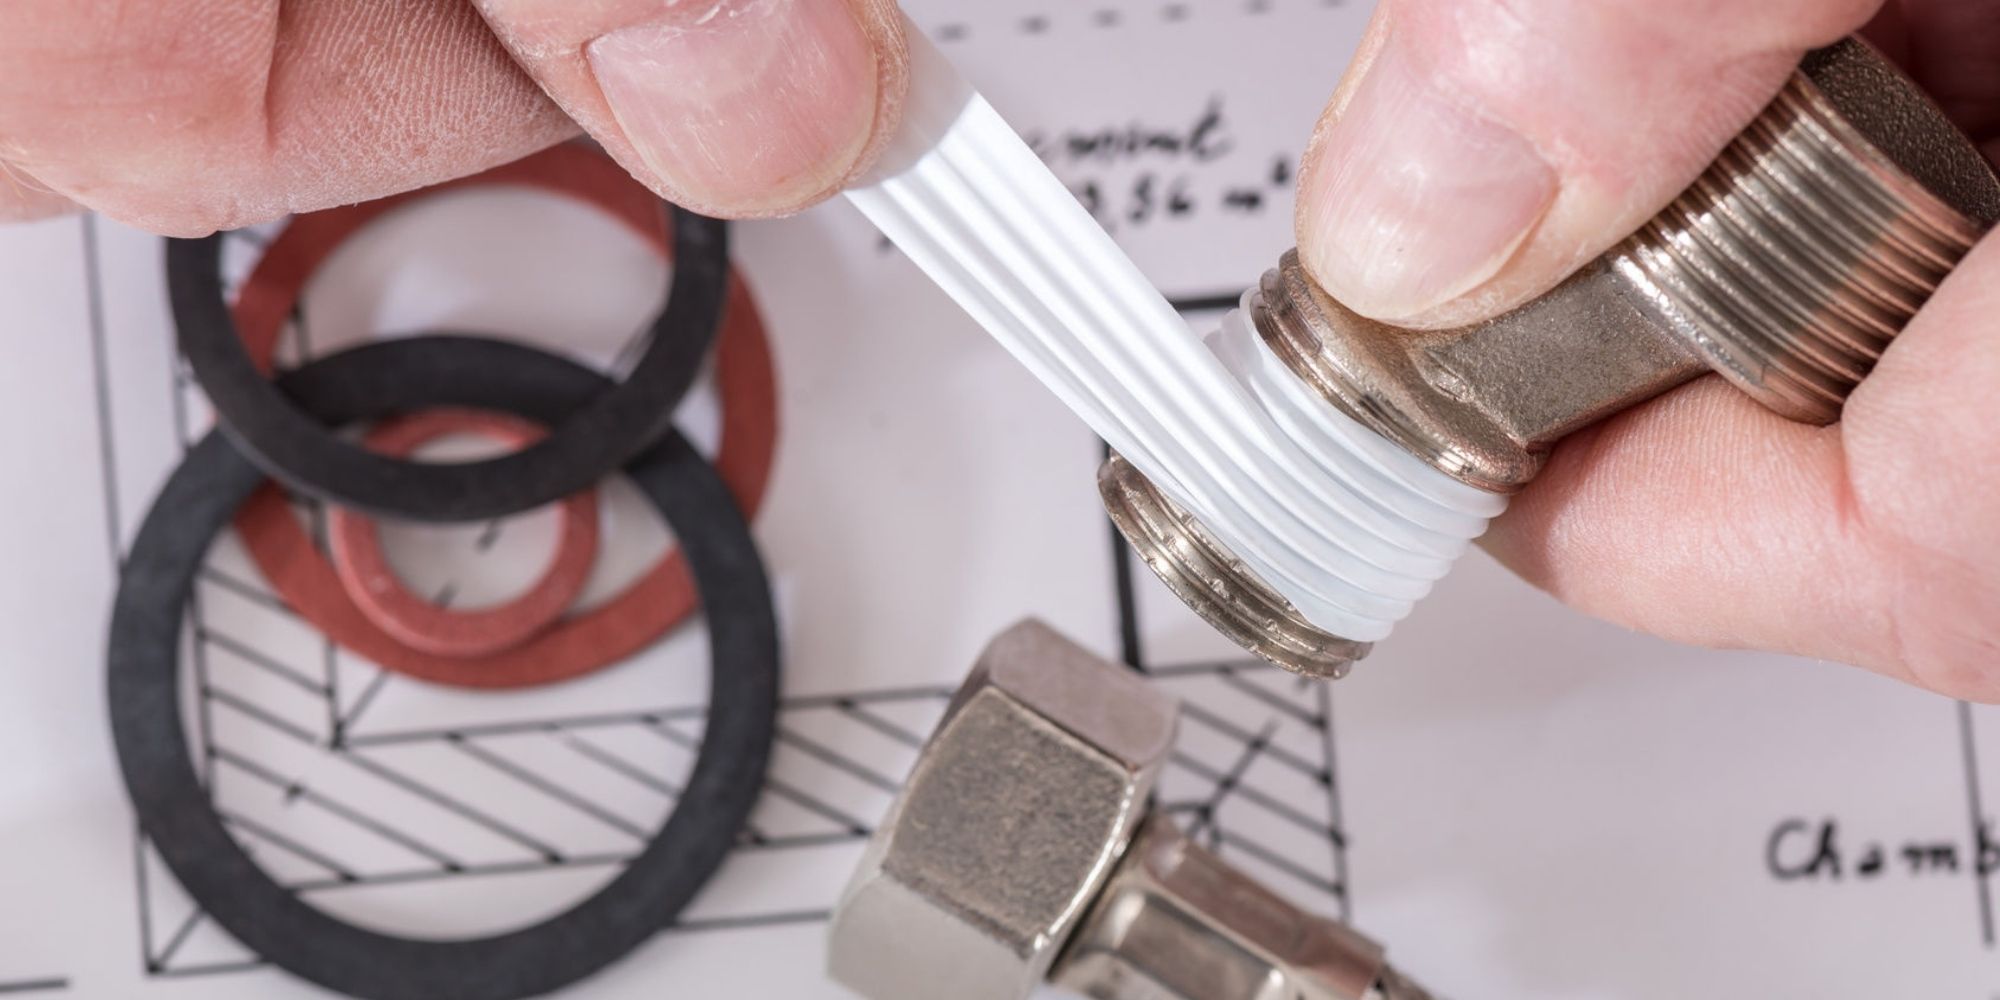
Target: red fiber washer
423, 625
574, 645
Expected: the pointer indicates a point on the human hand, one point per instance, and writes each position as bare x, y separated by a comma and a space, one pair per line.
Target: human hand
1478, 152
188, 117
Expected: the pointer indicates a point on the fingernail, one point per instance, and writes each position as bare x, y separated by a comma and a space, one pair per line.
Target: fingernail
744, 108
1415, 199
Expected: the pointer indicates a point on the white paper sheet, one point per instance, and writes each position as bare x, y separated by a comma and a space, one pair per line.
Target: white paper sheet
1518, 801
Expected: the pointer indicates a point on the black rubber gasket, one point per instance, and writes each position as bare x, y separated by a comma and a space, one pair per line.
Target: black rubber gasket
179, 818
592, 441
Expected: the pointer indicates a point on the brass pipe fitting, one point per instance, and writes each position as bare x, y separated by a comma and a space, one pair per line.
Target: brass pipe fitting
1787, 268
1024, 850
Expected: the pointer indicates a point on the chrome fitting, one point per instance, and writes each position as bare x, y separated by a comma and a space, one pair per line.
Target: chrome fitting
1787, 268
1023, 849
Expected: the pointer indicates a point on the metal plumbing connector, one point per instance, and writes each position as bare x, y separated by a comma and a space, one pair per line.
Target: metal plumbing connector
1787, 268
1023, 850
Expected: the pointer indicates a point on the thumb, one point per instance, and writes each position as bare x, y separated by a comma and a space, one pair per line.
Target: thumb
1479, 152
728, 107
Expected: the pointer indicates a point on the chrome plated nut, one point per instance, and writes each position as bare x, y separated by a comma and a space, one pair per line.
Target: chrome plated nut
1008, 827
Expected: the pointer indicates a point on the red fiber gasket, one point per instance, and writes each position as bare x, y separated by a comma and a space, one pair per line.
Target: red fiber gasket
355, 544
577, 644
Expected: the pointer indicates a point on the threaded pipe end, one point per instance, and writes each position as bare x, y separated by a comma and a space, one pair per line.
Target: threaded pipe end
1214, 583
1797, 257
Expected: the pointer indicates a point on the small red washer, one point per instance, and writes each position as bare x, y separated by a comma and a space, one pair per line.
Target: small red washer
356, 547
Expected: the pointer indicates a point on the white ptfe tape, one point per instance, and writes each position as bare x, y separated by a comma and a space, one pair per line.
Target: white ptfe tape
1351, 529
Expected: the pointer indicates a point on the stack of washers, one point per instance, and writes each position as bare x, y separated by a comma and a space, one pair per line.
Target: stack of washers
571, 428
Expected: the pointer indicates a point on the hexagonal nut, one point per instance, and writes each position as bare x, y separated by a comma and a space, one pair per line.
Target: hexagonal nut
1008, 826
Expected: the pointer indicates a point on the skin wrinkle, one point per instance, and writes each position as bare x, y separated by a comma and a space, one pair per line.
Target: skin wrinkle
214, 115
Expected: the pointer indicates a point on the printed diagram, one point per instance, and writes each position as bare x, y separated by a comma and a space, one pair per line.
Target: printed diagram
1253, 737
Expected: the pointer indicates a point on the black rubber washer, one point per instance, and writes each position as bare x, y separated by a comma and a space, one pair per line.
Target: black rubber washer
591, 442
179, 817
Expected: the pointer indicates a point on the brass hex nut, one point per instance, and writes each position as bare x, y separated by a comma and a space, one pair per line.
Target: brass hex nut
1008, 826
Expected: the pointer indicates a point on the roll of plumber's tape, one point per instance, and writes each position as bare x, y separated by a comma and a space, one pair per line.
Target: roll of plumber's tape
966, 199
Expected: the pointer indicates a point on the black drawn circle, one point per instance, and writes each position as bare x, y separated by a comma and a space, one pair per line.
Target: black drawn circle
270, 427
178, 816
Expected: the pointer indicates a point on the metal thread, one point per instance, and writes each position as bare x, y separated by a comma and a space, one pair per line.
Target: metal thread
1796, 257
1787, 267
1207, 578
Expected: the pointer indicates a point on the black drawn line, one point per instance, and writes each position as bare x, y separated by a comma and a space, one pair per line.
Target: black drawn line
243, 651
1978, 818
287, 844
345, 724
487, 536
1227, 783
792, 841
469, 871
209, 969
622, 766
262, 714
1228, 676
553, 724
100, 375
1336, 840
452, 805
330, 672
50, 984
293, 790
549, 788
245, 589
180, 937
773, 785
1197, 714
882, 725
1250, 793
913, 693
144, 893
834, 759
